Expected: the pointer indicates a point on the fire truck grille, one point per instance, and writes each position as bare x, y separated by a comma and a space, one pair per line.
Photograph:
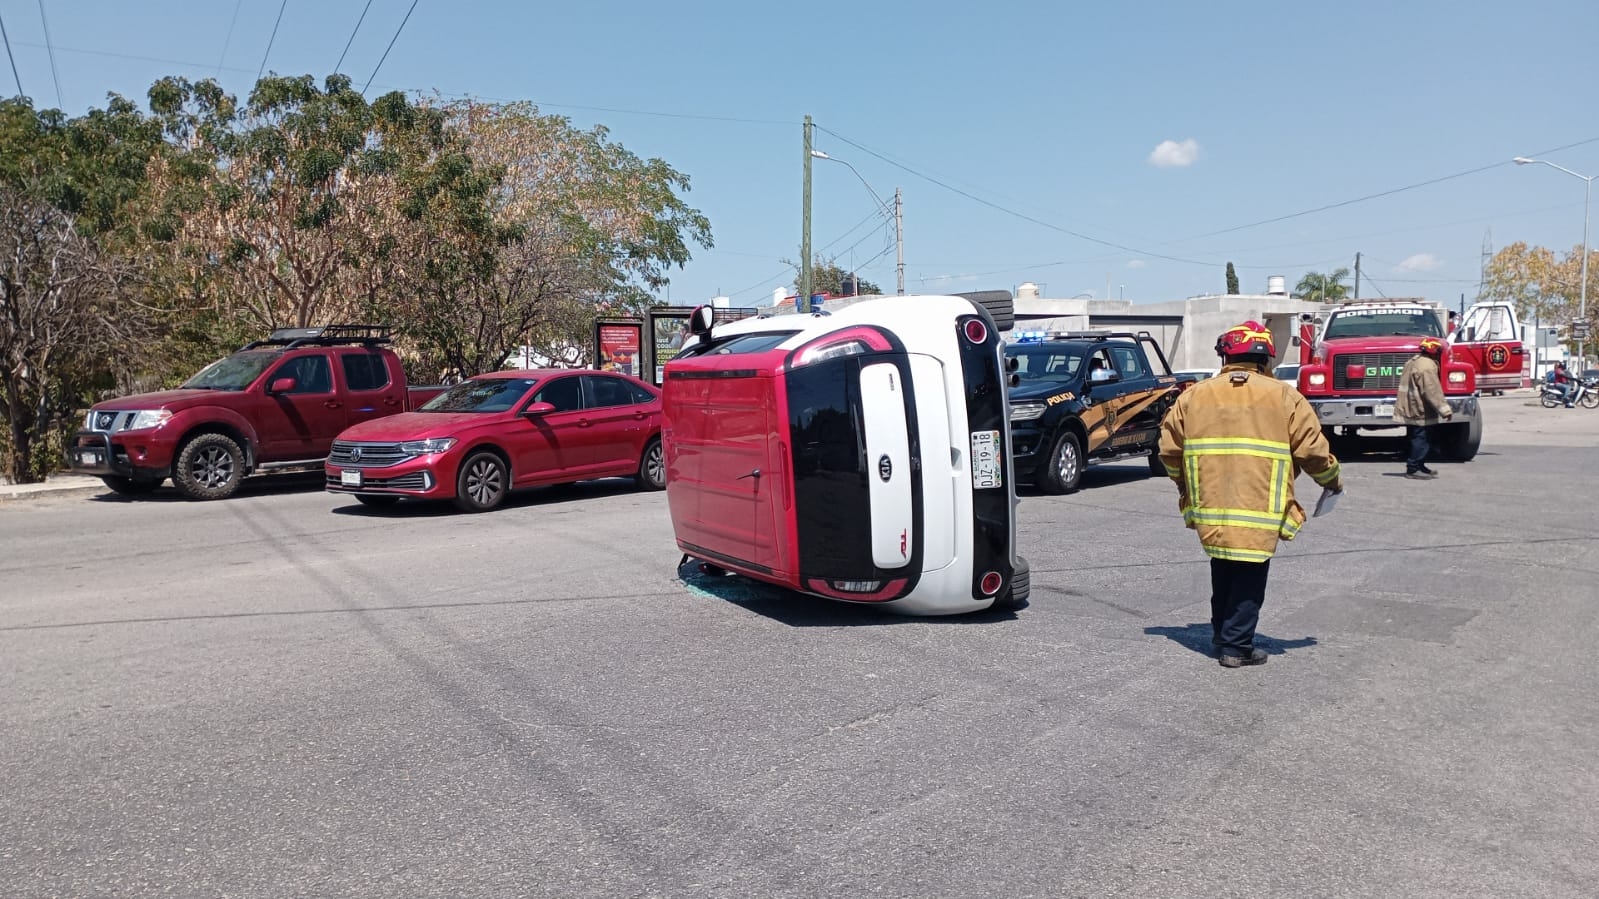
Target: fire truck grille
1381, 370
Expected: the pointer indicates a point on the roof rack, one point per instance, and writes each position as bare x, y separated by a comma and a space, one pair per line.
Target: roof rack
327, 335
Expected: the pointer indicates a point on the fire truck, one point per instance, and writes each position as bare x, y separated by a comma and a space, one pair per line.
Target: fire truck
1489, 337
1351, 356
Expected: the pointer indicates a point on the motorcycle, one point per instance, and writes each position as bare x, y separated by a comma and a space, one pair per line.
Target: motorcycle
1586, 394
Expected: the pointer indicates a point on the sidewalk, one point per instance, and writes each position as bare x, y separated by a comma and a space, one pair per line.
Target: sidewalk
59, 484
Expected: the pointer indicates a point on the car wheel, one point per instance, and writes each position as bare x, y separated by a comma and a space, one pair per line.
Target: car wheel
131, 486
375, 500
1021, 587
209, 466
482, 483
652, 466
1157, 468
1065, 468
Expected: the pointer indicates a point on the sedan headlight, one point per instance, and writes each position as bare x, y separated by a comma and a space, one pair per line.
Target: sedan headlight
1027, 411
149, 418
424, 447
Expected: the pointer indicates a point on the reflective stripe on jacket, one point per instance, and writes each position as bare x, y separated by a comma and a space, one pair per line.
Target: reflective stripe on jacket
1234, 444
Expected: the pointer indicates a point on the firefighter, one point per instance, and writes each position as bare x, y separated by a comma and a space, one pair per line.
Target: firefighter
1421, 404
1234, 444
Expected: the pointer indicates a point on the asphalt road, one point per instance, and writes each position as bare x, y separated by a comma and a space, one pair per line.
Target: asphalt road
286, 694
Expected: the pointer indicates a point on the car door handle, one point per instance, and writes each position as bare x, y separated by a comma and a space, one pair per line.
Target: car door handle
390, 401
582, 422
333, 404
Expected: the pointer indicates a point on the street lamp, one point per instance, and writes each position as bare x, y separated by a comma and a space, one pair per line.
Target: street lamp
1587, 191
899, 228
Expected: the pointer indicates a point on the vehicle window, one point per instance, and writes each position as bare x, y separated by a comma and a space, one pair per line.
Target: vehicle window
605, 391
311, 374
1039, 364
739, 343
1126, 361
365, 371
1383, 323
565, 394
481, 395
236, 372
639, 394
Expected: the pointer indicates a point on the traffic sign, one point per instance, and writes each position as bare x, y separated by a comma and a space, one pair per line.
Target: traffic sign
1579, 329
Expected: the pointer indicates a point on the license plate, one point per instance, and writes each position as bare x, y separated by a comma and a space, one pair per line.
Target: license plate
88, 457
986, 447
350, 478
1384, 411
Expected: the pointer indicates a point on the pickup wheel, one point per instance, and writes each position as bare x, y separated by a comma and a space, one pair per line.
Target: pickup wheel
482, 483
209, 466
652, 466
1064, 471
131, 486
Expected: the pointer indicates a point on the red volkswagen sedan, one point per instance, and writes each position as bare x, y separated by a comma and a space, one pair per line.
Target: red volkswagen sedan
495, 433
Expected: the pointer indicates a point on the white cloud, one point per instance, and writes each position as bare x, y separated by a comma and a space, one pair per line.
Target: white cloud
1421, 262
1136, 263
1173, 154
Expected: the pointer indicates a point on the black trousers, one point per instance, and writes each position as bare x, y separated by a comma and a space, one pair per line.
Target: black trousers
1237, 590
1419, 447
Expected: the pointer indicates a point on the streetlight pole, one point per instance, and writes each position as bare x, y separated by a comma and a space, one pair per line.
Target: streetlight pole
805, 236
1587, 192
899, 220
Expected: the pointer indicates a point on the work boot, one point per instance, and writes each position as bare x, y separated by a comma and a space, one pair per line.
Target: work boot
1256, 657
1428, 472
1418, 476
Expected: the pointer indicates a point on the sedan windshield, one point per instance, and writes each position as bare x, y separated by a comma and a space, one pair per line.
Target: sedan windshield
236, 372
486, 395
1388, 322
1045, 364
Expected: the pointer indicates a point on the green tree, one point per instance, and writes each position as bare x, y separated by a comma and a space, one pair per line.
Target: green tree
1232, 281
1323, 287
828, 277
1539, 282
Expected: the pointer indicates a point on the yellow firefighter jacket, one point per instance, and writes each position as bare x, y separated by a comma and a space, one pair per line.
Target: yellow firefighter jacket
1234, 444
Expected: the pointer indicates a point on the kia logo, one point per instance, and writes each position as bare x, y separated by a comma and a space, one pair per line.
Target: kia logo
885, 468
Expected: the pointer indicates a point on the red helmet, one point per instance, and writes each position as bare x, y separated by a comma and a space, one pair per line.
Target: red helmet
1248, 339
1432, 346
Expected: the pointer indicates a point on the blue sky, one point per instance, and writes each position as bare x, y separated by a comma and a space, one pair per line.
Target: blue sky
1048, 115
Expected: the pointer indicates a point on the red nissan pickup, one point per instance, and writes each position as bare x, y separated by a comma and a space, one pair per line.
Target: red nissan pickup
275, 404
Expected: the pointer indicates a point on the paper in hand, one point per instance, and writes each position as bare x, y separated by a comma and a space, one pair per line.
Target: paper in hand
1328, 501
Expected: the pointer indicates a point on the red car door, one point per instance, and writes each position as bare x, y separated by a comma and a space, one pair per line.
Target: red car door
565, 435
301, 422
620, 422
373, 389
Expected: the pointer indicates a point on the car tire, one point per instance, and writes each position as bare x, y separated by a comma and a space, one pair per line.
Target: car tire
998, 304
1021, 587
652, 466
209, 466
482, 483
131, 486
1157, 468
1063, 472
1461, 441
375, 500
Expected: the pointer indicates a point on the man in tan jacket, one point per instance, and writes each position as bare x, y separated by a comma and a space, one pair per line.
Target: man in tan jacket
1234, 444
1421, 405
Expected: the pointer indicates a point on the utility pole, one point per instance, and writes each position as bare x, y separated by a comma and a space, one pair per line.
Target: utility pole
1357, 276
805, 229
899, 242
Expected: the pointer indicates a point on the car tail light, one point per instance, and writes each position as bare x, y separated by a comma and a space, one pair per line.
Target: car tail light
848, 342
975, 330
991, 583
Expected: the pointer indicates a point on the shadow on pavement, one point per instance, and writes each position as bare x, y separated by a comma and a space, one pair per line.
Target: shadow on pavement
803, 610
1196, 637
256, 485
527, 497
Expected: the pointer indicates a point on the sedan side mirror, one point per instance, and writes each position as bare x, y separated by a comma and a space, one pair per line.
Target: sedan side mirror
282, 385
538, 410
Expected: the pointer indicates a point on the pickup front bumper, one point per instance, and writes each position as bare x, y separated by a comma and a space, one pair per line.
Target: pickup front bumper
94, 453
1378, 411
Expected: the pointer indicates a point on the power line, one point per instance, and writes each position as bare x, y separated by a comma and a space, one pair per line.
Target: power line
391, 44
340, 63
271, 40
13, 59
48, 45
229, 39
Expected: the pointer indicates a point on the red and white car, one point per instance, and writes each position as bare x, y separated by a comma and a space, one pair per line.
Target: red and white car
498, 432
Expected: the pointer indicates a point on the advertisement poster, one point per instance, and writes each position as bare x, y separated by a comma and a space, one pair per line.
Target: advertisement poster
669, 330
617, 346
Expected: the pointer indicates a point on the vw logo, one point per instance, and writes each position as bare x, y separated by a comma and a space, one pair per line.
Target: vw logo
355, 454
885, 468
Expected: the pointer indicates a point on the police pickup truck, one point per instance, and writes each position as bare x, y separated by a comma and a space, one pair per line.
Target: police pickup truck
1082, 397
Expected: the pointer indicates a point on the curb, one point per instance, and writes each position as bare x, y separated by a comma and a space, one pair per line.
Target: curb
16, 493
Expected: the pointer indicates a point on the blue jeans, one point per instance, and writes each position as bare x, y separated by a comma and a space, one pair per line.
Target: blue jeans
1237, 591
1420, 445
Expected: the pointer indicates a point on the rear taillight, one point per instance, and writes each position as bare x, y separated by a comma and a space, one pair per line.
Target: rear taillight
976, 332
991, 583
849, 342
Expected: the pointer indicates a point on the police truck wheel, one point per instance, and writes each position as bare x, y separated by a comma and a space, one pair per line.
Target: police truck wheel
130, 486
652, 466
1064, 471
482, 483
209, 466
